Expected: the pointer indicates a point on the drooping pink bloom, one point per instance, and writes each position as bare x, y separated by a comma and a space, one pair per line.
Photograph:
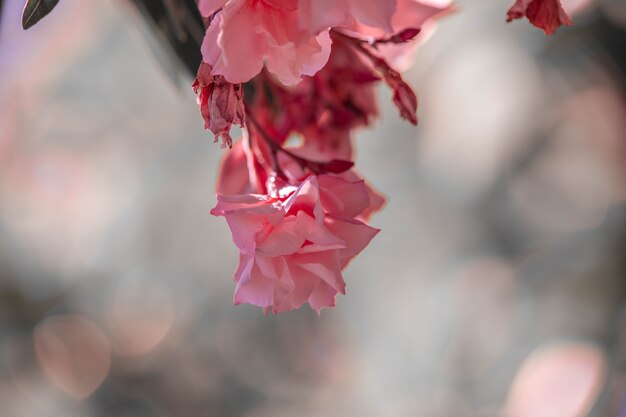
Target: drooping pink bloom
220, 102
548, 15
327, 108
243, 35
297, 213
295, 243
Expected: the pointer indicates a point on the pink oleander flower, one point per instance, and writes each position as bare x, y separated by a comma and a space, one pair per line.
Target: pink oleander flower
295, 242
291, 37
548, 15
325, 107
243, 35
220, 102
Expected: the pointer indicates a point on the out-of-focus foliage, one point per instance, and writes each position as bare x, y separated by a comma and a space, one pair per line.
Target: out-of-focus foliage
35, 10
177, 24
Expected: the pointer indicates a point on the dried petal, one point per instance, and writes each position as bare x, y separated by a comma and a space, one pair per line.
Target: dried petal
221, 103
548, 15
406, 101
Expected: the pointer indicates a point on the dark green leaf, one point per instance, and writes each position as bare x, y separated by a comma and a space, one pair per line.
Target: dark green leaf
35, 10
179, 27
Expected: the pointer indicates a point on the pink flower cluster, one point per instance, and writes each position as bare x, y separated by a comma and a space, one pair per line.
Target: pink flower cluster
307, 69
295, 242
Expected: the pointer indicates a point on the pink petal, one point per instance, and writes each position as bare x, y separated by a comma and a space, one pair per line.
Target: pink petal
258, 290
268, 285
356, 234
304, 282
324, 265
376, 199
376, 13
306, 198
231, 43
233, 173
252, 203
244, 228
320, 237
409, 14
244, 269
208, 7
288, 62
287, 5
414, 13
245, 34
283, 239
341, 197
323, 296
210, 48
319, 15
275, 268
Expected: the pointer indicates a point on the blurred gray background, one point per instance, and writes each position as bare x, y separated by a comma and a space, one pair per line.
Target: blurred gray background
496, 287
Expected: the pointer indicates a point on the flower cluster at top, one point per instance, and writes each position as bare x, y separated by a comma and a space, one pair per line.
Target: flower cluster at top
307, 69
